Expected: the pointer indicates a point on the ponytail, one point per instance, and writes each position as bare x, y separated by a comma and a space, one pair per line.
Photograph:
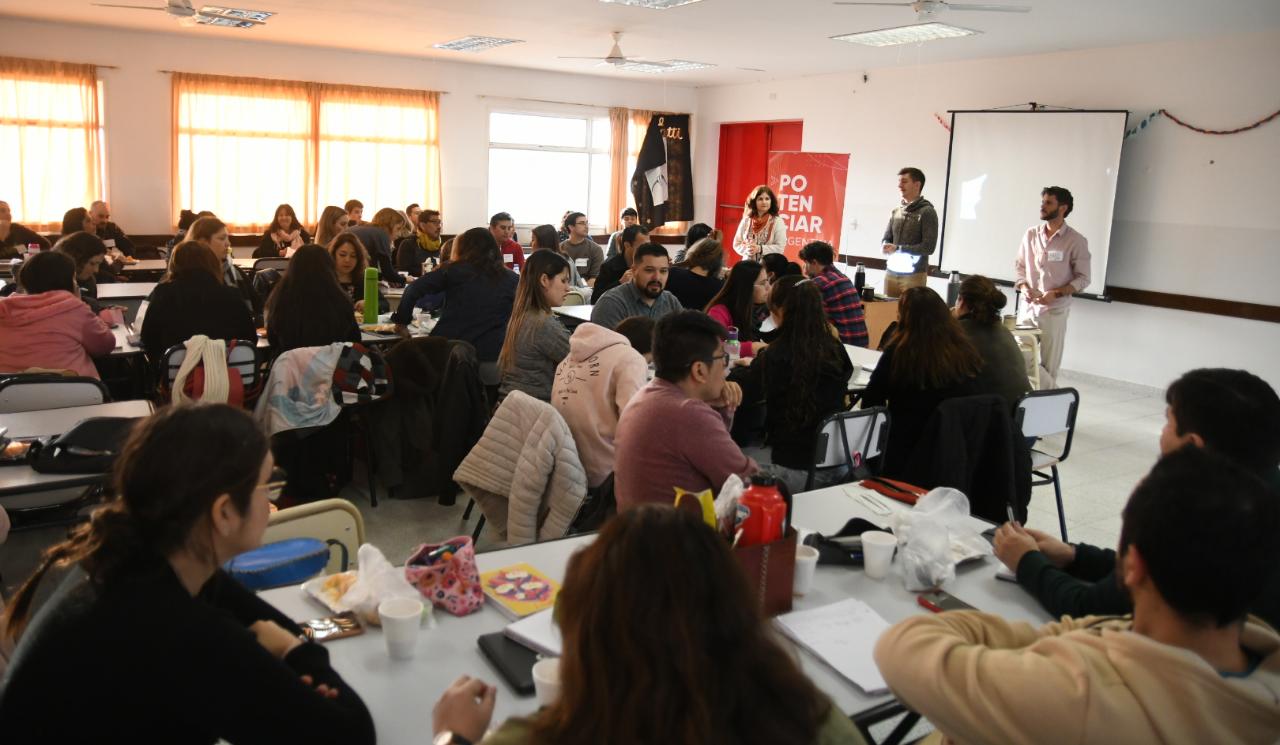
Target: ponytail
982, 299
101, 546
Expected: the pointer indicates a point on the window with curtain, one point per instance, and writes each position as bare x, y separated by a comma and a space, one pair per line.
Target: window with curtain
51, 139
243, 146
543, 164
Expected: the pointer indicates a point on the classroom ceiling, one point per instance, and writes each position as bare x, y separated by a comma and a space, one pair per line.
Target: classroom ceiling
786, 39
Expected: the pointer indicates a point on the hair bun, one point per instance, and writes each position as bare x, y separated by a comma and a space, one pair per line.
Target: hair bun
999, 300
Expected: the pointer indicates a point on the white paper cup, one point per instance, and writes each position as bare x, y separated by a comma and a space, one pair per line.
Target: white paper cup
546, 680
401, 618
806, 564
877, 553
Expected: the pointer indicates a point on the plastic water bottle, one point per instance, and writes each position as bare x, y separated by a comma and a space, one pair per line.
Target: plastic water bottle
732, 345
953, 290
859, 276
370, 295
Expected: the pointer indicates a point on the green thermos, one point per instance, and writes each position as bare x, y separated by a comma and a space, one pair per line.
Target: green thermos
370, 295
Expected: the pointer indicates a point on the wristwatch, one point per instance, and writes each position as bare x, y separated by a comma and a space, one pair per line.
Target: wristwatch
450, 738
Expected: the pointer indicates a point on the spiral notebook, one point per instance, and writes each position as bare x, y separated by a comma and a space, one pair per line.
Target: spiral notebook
843, 635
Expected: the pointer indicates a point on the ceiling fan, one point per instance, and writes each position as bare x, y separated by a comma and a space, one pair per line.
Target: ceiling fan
927, 9
616, 57
208, 15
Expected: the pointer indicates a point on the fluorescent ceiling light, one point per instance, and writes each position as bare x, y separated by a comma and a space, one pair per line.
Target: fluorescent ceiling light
914, 34
655, 4
476, 43
674, 65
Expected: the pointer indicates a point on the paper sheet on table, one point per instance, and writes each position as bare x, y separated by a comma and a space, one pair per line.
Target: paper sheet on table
843, 635
538, 632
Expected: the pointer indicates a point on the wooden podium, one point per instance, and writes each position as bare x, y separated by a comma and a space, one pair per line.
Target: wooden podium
879, 313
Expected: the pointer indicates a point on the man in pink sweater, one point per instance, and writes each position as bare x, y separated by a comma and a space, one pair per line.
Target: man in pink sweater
675, 431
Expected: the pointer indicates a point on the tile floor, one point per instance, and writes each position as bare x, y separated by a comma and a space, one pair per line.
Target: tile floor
1116, 442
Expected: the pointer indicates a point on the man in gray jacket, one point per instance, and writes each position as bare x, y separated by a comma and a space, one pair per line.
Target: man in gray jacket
910, 237
645, 295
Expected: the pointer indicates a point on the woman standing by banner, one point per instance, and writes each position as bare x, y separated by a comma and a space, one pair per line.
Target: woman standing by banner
761, 230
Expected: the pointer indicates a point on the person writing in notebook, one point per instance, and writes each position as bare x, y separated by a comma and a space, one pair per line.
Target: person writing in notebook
1231, 412
1197, 545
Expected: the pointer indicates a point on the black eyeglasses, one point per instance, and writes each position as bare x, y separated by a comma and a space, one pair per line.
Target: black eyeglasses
275, 483
712, 360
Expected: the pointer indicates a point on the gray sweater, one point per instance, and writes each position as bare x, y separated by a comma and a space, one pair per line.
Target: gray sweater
540, 346
625, 301
913, 228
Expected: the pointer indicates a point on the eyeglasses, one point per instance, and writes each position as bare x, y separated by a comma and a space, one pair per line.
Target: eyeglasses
275, 484
712, 360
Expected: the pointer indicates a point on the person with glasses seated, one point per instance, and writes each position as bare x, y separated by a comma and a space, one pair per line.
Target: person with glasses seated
413, 251
675, 431
146, 634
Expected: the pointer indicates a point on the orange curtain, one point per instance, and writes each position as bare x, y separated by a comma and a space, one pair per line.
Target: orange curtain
620, 177
241, 146
50, 139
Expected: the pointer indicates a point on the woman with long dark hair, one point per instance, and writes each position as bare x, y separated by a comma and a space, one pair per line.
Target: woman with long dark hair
283, 236
695, 233
349, 261
735, 304
545, 236
761, 231
693, 662
479, 292
805, 376
193, 300
308, 308
697, 279
536, 341
1004, 371
929, 360
147, 634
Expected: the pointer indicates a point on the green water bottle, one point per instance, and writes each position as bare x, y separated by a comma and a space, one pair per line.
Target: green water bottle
370, 295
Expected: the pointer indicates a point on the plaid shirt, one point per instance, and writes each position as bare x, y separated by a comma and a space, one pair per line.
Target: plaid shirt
843, 306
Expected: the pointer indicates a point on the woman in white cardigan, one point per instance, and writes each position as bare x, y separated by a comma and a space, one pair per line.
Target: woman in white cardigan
761, 231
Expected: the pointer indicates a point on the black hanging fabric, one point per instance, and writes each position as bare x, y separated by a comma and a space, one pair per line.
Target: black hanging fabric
662, 184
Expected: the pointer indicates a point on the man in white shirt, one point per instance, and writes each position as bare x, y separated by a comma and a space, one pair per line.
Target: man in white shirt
1052, 265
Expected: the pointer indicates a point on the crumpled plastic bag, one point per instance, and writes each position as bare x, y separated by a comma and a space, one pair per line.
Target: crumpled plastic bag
927, 536
376, 580
726, 504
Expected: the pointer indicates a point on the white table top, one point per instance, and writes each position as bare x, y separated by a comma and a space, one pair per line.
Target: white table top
125, 290
864, 361
576, 312
22, 479
400, 693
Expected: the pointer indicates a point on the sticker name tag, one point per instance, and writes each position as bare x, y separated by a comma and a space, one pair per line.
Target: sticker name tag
1055, 256
580, 262
507, 258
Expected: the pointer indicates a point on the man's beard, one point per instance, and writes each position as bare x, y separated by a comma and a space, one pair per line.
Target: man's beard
653, 290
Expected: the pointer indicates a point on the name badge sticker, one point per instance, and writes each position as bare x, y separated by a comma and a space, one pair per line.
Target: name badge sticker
1055, 256
580, 263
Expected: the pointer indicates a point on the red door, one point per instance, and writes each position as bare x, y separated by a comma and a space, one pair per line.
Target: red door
744, 165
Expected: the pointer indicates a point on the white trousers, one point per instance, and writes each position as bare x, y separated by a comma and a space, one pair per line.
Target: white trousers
1053, 332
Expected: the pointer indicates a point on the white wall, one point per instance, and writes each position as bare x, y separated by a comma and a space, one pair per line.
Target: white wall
137, 103
1195, 214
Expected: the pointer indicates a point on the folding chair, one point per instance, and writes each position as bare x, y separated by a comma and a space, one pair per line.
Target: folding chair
38, 391
243, 358
862, 433
574, 297
328, 520
1041, 414
271, 262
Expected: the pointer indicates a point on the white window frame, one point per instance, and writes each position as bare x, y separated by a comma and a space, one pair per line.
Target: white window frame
587, 114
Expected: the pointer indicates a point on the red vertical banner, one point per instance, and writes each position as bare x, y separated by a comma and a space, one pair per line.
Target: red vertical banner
810, 189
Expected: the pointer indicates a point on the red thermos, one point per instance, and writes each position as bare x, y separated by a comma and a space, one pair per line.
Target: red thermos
762, 512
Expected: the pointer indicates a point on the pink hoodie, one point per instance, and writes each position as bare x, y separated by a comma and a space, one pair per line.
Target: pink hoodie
55, 330
592, 386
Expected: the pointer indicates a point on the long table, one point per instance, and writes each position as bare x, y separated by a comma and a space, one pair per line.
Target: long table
400, 693
22, 479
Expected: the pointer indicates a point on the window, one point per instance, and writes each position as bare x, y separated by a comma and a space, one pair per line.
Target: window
244, 146
543, 164
51, 140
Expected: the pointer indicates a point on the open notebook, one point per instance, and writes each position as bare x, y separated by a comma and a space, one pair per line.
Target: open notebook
843, 635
